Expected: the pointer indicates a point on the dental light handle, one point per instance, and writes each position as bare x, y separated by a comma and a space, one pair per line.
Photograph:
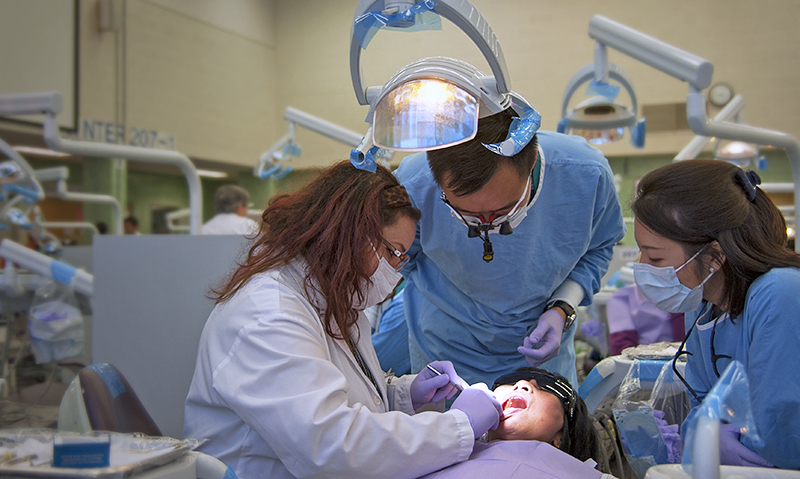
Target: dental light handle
464, 15
46, 266
586, 74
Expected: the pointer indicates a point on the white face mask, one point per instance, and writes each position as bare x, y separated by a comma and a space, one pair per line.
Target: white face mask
662, 287
380, 285
513, 217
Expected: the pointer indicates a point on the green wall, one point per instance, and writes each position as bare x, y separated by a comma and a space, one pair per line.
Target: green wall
147, 193
631, 169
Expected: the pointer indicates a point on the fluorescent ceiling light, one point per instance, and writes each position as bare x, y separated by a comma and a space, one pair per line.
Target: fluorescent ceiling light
212, 174
32, 150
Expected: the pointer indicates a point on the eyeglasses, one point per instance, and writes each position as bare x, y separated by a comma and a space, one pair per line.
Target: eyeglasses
474, 231
404, 258
477, 226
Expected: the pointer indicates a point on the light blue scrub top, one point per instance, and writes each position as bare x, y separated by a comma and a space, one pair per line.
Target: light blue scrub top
476, 314
765, 338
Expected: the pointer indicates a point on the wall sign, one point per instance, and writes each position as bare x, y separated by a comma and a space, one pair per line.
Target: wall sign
107, 132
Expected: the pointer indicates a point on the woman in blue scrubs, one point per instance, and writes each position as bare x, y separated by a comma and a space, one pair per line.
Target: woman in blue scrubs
713, 245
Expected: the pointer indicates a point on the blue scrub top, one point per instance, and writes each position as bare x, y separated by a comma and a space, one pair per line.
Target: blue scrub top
765, 338
476, 314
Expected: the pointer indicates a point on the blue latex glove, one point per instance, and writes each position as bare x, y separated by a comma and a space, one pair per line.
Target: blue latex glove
734, 453
544, 342
428, 387
481, 406
672, 438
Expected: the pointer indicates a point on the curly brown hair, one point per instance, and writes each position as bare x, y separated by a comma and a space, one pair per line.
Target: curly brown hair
331, 223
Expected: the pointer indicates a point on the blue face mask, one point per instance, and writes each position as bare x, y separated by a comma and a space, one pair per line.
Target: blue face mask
662, 287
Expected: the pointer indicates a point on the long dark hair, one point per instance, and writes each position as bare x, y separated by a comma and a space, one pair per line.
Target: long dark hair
331, 223
695, 202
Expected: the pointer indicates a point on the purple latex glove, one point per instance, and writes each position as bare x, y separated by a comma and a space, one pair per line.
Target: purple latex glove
672, 438
544, 342
429, 387
734, 453
481, 406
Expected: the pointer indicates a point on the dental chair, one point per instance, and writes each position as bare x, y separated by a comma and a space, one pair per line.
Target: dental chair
100, 398
604, 379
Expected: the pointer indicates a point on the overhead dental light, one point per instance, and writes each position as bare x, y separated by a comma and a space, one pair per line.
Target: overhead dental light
697, 72
434, 102
601, 118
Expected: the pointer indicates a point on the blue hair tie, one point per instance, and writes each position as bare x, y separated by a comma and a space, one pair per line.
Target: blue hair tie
749, 180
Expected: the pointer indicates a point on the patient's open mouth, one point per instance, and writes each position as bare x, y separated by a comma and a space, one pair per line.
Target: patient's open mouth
513, 404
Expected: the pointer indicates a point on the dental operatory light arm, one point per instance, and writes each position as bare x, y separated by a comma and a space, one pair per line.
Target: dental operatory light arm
696, 145
173, 217
662, 56
50, 104
35, 193
46, 266
461, 13
267, 165
697, 72
60, 174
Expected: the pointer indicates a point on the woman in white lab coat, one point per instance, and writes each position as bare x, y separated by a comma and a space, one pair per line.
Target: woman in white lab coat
287, 383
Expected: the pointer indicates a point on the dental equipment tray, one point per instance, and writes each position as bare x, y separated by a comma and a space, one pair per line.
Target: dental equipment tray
29, 452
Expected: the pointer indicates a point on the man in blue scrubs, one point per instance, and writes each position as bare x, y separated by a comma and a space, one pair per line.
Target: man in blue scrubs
507, 248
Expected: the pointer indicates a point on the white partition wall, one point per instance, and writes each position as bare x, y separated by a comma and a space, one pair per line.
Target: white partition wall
150, 306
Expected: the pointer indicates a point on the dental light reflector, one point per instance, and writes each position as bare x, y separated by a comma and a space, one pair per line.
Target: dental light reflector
425, 114
600, 137
600, 121
601, 118
737, 150
739, 153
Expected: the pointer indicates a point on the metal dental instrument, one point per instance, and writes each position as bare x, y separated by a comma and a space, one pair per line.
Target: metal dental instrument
436, 372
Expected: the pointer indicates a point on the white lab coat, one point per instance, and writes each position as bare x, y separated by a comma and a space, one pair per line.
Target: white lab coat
229, 224
277, 397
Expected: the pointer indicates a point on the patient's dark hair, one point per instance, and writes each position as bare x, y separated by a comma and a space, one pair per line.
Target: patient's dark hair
579, 437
